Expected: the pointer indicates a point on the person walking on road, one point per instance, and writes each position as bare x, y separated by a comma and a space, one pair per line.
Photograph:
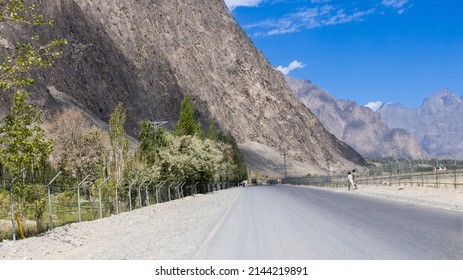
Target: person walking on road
350, 181
354, 179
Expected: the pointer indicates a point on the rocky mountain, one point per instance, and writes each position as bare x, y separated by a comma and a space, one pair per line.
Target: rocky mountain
360, 127
436, 124
149, 54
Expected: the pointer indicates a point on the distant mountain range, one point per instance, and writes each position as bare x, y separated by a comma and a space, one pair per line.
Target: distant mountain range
358, 126
436, 124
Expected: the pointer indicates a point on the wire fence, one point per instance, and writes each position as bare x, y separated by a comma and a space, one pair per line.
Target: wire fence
443, 177
58, 202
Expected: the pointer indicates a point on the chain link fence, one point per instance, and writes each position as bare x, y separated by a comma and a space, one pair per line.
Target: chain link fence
392, 175
58, 200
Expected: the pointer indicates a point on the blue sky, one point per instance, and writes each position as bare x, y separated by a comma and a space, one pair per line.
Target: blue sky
367, 50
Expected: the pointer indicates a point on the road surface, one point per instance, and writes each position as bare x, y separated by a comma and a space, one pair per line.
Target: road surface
288, 222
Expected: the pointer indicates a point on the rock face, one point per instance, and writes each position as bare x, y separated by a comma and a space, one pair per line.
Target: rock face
358, 126
436, 125
149, 54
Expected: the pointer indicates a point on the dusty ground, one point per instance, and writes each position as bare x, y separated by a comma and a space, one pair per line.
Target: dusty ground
446, 198
171, 230
177, 229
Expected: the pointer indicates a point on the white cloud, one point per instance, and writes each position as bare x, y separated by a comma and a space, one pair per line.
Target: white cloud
308, 18
374, 105
320, 13
232, 4
342, 17
293, 65
394, 3
399, 5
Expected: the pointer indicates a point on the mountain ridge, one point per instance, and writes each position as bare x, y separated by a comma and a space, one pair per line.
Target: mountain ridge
150, 54
435, 124
358, 126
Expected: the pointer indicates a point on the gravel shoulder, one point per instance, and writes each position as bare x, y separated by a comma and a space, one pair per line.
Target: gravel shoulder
444, 198
166, 231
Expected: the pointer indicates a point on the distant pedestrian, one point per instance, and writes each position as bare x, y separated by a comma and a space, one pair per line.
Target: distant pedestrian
354, 178
350, 181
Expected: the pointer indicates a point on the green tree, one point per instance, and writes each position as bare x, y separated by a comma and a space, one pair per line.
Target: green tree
119, 141
22, 141
199, 132
146, 150
212, 132
188, 158
237, 158
151, 141
19, 60
23, 145
186, 124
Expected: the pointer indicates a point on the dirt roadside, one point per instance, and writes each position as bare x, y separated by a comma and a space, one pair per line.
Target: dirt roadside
177, 229
444, 198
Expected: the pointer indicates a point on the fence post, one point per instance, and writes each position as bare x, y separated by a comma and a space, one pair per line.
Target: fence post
13, 228
168, 189
78, 203
147, 194
130, 196
157, 192
139, 193
117, 196
437, 163
158, 187
422, 175
181, 189
99, 197
398, 169
117, 202
78, 197
49, 200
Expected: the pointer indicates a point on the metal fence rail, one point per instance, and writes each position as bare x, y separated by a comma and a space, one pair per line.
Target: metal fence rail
63, 202
419, 178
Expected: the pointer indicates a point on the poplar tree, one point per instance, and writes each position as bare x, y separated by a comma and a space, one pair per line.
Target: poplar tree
18, 61
119, 140
23, 145
151, 141
199, 132
186, 124
212, 132
22, 141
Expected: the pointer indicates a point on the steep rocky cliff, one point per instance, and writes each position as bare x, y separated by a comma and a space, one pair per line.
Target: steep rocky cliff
436, 124
149, 54
358, 126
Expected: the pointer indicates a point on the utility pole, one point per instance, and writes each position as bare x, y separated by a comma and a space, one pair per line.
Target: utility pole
284, 162
422, 175
437, 163
454, 169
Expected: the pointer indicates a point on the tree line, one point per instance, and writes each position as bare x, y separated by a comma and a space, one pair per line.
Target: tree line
28, 154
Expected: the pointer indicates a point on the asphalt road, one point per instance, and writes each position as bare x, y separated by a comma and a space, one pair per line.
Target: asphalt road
287, 222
